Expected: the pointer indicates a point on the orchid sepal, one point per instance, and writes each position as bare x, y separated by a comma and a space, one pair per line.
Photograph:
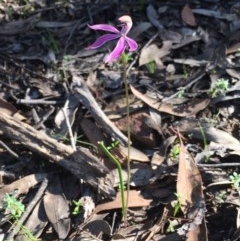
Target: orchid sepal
102, 40
104, 27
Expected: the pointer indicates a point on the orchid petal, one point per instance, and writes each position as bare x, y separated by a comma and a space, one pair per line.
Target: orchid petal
127, 24
102, 40
131, 43
118, 50
104, 27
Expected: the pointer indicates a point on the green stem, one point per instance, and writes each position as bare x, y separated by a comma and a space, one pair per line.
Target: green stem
119, 167
124, 62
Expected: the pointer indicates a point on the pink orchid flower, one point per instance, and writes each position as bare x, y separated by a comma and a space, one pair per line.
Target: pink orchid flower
123, 42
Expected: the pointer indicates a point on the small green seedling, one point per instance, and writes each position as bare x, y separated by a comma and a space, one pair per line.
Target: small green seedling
220, 197
51, 42
66, 58
151, 67
176, 204
180, 94
185, 71
174, 153
219, 87
16, 209
235, 179
78, 207
13, 206
127, 57
171, 227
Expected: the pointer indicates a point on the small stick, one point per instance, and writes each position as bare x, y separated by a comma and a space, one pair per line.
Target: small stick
69, 125
14, 154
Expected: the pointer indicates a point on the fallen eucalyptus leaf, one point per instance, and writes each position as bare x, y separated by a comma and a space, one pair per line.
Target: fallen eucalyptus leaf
190, 108
135, 200
152, 52
189, 181
57, 209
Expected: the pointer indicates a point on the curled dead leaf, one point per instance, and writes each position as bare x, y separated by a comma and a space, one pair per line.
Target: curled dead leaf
190, 108
152, 52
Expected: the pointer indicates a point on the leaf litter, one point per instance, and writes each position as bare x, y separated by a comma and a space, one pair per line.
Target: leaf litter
56, 96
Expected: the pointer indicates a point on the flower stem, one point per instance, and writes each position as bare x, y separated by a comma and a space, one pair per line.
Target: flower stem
124, 64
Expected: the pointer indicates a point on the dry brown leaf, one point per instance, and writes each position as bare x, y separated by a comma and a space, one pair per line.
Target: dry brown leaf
189, 181
9, 109
192, 204
98, 227
148, 54
57, 209
141, 128
135, 154
152, 52
198, 234
159, 156
189, 109
188, 16
135, 200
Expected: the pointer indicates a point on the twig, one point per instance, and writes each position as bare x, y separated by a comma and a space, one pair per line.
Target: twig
69, 125
14, 154
38, 102
234, 164
45, 117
